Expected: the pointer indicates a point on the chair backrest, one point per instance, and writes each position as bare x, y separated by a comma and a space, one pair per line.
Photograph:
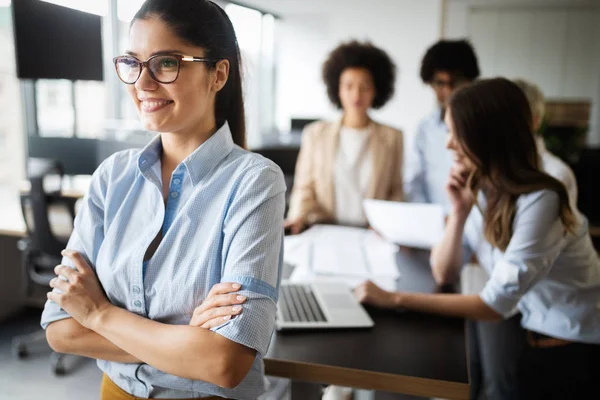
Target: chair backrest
297, 124
35, 206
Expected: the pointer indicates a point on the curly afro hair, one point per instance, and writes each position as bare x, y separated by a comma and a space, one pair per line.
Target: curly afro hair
456, 57
360, 55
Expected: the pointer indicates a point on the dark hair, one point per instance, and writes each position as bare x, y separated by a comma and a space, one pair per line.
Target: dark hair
456, 57
493, 126
360, 55
204, 24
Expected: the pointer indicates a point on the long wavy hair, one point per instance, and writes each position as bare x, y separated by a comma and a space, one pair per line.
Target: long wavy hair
493, 125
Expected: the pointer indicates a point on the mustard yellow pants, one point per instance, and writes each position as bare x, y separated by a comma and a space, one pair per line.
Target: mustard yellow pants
110, 391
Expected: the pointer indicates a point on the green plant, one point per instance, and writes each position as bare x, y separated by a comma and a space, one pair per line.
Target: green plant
565, 142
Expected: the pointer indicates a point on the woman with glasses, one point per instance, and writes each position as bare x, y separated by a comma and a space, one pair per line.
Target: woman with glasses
342, 163
517, 220
173, 238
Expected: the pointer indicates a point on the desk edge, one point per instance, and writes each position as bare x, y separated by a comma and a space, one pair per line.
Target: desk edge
366, 379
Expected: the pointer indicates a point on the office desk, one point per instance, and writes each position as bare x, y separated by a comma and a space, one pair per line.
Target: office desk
405, 352
72, 186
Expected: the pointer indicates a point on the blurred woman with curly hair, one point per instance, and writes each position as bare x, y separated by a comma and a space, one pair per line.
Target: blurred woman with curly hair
341, 163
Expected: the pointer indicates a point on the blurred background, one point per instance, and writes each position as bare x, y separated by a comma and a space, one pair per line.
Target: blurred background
60, 98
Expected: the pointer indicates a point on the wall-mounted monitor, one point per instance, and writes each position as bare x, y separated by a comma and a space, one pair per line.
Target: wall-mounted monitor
55, 42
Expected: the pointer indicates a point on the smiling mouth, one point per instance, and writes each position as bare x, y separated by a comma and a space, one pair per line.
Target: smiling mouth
154, 105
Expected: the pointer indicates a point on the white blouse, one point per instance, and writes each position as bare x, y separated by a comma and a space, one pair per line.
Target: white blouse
552, 278
353, 169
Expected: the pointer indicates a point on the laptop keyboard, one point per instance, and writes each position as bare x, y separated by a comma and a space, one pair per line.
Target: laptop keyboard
298, 303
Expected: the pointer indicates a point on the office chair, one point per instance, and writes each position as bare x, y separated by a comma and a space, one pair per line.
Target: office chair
286, 158
40, 250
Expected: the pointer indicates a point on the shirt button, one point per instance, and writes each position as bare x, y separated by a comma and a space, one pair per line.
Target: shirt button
174, 195
136, 289
176, 181
137, 303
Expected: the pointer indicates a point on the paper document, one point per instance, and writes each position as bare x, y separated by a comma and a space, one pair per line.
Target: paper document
351, 255
305, 275
408, 224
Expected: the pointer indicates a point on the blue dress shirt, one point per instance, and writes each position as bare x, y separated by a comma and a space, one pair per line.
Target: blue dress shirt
427, 174
222, 222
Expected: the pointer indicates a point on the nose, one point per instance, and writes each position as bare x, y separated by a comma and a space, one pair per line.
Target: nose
451, 142
145, 81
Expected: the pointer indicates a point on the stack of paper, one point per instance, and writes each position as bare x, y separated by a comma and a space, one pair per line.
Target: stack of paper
350, 255
407, 224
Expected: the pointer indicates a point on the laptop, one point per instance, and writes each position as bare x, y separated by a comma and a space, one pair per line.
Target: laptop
319, 305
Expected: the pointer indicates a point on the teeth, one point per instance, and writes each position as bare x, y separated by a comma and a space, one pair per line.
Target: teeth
154, 103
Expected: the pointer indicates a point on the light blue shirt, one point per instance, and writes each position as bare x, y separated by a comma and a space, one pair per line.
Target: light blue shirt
223, 222
552, 278
427, 173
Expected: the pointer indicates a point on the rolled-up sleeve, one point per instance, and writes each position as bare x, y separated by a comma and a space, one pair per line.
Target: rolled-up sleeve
253, 256
537, 240
87, 236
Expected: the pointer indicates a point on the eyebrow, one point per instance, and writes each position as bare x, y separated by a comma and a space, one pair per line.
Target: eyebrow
131, 53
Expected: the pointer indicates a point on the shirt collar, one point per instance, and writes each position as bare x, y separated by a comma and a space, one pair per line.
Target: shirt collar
201, 161
150, 154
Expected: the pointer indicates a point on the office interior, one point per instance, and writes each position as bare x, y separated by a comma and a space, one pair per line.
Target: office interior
78, 118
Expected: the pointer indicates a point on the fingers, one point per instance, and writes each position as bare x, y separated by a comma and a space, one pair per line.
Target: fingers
361, 291
215, 316
220, 301
55, 297
459, 177
59, 284
294, 226
224, 287
69, 273
79, 261
297, 228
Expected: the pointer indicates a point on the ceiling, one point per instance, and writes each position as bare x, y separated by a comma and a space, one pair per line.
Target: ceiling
294, 7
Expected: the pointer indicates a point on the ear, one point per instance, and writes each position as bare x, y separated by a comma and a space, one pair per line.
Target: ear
220, 75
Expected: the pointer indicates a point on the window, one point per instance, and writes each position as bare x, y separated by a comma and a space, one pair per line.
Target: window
12, 148
54, 107
248, 29
255, 35
90, 108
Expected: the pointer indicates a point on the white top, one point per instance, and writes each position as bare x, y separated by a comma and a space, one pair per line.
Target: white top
557, 168
551, 277
352, 173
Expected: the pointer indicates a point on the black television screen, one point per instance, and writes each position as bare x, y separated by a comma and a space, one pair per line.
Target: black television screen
55, 42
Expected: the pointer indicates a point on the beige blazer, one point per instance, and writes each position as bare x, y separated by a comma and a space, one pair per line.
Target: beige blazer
313, 194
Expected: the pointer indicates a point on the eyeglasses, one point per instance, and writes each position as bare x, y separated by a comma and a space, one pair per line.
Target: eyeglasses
451, 84
163, 68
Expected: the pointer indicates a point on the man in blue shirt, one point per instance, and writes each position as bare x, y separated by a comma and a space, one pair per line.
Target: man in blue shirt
446, 66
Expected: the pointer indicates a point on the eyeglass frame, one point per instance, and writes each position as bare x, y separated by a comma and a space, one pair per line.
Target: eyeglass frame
144, 64
453, 83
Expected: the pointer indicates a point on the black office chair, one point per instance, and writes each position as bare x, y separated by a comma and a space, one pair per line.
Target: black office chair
286, 158
41, 248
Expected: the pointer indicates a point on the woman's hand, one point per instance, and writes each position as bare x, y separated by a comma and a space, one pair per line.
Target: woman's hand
369, 293
82, 297
460, 195
294, 226
220, 305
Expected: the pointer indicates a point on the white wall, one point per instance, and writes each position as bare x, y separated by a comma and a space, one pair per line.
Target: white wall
403, 28
557, 46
